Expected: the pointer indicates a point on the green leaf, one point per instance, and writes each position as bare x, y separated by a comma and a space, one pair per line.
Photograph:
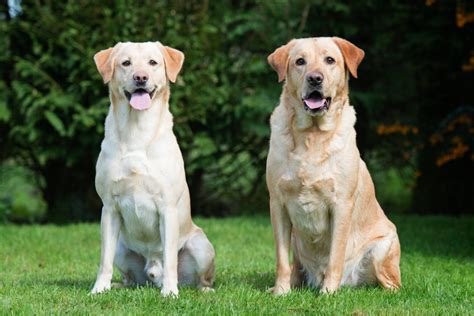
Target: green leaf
4, 112
56, 122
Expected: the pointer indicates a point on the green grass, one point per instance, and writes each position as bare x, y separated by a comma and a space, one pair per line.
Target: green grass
50, 269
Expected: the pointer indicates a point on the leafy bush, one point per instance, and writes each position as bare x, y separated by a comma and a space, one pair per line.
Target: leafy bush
53, 104
393, 185
20, 197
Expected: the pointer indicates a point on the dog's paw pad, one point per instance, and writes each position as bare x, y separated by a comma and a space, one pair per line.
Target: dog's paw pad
171, 293
279, 290
206, 289
118, 285
100, 288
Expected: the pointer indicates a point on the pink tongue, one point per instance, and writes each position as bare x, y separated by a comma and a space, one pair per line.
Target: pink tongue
140, 100
315, 103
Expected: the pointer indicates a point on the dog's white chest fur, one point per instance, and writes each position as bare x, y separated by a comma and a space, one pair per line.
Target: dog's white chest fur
136, 194
309, 190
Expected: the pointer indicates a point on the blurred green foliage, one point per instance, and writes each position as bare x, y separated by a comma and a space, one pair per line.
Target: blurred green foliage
393, 185
20, 198
53, 102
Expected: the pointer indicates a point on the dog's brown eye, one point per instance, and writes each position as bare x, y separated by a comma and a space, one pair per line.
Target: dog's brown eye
300, 61
152, 62
330, 60
126, 63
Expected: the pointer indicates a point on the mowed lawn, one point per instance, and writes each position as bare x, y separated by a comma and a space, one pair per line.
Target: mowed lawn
50, 269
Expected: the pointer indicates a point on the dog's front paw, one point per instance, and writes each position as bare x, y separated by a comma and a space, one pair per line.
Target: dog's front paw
170, 292
279, 290
328, 289
100, 287
206, 289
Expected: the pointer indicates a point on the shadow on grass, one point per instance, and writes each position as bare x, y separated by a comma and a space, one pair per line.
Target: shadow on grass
261, 281
437, 236
264, 281
66, 283
87, 285
257, 280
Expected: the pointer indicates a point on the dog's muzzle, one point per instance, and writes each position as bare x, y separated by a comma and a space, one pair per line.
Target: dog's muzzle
315, 103
140, 99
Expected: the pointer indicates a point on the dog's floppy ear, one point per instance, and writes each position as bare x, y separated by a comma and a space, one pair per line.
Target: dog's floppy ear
173, 62
105, 65
279, 60
353, 55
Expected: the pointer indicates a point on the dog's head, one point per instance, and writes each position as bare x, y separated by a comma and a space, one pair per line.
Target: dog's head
138, 72
316, 70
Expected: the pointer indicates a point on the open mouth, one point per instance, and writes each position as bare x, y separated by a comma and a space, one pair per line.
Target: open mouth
140, 99
316, 104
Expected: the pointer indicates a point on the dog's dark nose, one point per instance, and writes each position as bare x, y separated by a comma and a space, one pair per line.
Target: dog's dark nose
140, 78
315, 78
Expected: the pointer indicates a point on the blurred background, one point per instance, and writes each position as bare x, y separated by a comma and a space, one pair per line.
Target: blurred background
414, 98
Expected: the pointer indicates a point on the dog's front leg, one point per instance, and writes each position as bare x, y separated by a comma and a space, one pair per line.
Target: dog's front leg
169, 230
341, 225
282, 233
109, 229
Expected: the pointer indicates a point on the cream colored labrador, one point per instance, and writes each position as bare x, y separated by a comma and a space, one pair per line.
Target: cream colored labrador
146, 225
322, 199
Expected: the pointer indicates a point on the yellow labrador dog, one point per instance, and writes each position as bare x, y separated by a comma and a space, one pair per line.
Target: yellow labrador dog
322, 199
146, 225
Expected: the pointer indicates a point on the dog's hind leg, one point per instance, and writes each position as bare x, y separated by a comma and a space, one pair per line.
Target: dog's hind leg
297, 273
131, 265
196, 262
386, 260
